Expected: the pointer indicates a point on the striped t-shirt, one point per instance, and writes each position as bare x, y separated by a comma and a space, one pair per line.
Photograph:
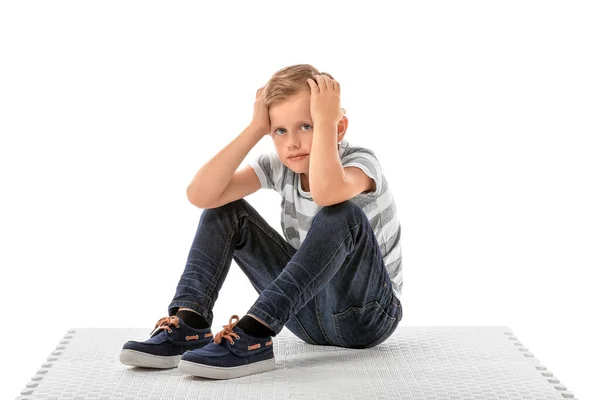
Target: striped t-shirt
298, 208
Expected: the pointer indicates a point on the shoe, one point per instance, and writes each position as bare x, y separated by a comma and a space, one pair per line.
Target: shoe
231, 354
170, 338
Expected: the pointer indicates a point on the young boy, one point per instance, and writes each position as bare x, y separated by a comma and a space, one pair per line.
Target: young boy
336, 277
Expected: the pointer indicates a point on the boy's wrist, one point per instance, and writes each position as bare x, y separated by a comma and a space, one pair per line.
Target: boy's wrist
325, 122
257, 130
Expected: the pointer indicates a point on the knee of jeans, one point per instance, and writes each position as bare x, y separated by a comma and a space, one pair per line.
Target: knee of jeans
344, 209
229, 207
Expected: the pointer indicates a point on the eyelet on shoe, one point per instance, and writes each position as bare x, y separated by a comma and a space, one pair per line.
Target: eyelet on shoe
170, 330
177, 326
232, 342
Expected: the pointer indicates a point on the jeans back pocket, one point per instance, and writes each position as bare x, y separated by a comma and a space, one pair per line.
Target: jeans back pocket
360, 327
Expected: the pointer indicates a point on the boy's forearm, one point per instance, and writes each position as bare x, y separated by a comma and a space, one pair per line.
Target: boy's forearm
326, 172
214, 176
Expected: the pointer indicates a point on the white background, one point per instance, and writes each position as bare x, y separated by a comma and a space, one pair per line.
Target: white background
484, 116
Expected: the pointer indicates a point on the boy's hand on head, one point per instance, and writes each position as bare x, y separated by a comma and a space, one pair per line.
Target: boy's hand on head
261, 119
325, 100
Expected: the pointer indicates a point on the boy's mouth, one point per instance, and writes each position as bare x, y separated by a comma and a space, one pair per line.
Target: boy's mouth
299, 157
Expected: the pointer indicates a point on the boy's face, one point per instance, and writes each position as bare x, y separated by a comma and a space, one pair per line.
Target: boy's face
292, 130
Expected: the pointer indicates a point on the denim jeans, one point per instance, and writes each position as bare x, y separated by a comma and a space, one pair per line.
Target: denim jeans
334, 290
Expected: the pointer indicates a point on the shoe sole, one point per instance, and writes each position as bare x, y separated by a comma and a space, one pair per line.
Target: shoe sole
141, 359
209, 371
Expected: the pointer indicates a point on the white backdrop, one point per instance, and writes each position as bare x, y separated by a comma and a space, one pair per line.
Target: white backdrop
483, 115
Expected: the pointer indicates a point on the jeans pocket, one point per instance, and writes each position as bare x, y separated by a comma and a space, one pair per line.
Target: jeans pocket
360, 327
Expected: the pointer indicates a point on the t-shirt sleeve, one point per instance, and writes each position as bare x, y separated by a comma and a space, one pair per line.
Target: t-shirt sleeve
368, 162
269, 169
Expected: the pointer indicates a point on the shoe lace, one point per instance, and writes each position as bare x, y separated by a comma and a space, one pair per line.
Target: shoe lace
228, 333
165, 323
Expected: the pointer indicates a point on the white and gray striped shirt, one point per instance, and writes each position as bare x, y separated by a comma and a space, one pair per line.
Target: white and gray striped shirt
298, 208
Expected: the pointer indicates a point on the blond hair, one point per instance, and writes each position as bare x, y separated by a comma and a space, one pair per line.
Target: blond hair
289, 81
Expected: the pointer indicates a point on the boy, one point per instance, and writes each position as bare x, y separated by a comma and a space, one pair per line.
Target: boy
328, 281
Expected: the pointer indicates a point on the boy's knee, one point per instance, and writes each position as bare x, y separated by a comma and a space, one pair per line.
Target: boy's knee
345, 209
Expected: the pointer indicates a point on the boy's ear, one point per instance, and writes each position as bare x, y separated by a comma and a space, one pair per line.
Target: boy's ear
342, 128
343, 123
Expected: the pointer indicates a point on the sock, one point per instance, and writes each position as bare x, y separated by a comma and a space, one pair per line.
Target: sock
252, 327
193, 319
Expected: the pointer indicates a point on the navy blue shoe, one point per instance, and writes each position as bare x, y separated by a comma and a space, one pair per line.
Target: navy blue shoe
231, 354
168, 341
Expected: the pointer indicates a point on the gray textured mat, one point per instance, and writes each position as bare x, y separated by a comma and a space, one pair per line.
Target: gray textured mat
414, 363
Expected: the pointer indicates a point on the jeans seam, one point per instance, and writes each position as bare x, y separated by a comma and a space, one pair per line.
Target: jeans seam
384, 335
256, 222
304, 330
214, 282
337, 332
395, 321
320, 322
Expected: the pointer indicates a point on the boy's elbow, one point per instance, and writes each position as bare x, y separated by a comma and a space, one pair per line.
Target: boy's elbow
319, 199
193, 199
188, 193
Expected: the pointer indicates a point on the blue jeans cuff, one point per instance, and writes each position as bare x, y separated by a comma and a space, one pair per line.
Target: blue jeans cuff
275, 324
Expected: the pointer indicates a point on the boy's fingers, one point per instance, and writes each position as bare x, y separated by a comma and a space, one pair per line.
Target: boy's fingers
259, 92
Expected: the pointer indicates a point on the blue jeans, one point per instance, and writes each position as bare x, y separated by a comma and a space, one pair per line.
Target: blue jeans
334, 290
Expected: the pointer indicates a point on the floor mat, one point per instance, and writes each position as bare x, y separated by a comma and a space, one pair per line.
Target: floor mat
416, 363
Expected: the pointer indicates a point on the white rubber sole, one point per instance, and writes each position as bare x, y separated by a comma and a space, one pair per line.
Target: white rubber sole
209, 371
141, 359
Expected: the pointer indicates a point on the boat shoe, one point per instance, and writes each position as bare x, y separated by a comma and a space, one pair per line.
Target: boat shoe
231, 354
168, 341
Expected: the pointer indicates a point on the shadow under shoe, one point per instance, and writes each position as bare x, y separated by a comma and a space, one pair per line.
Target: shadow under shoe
168, 341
